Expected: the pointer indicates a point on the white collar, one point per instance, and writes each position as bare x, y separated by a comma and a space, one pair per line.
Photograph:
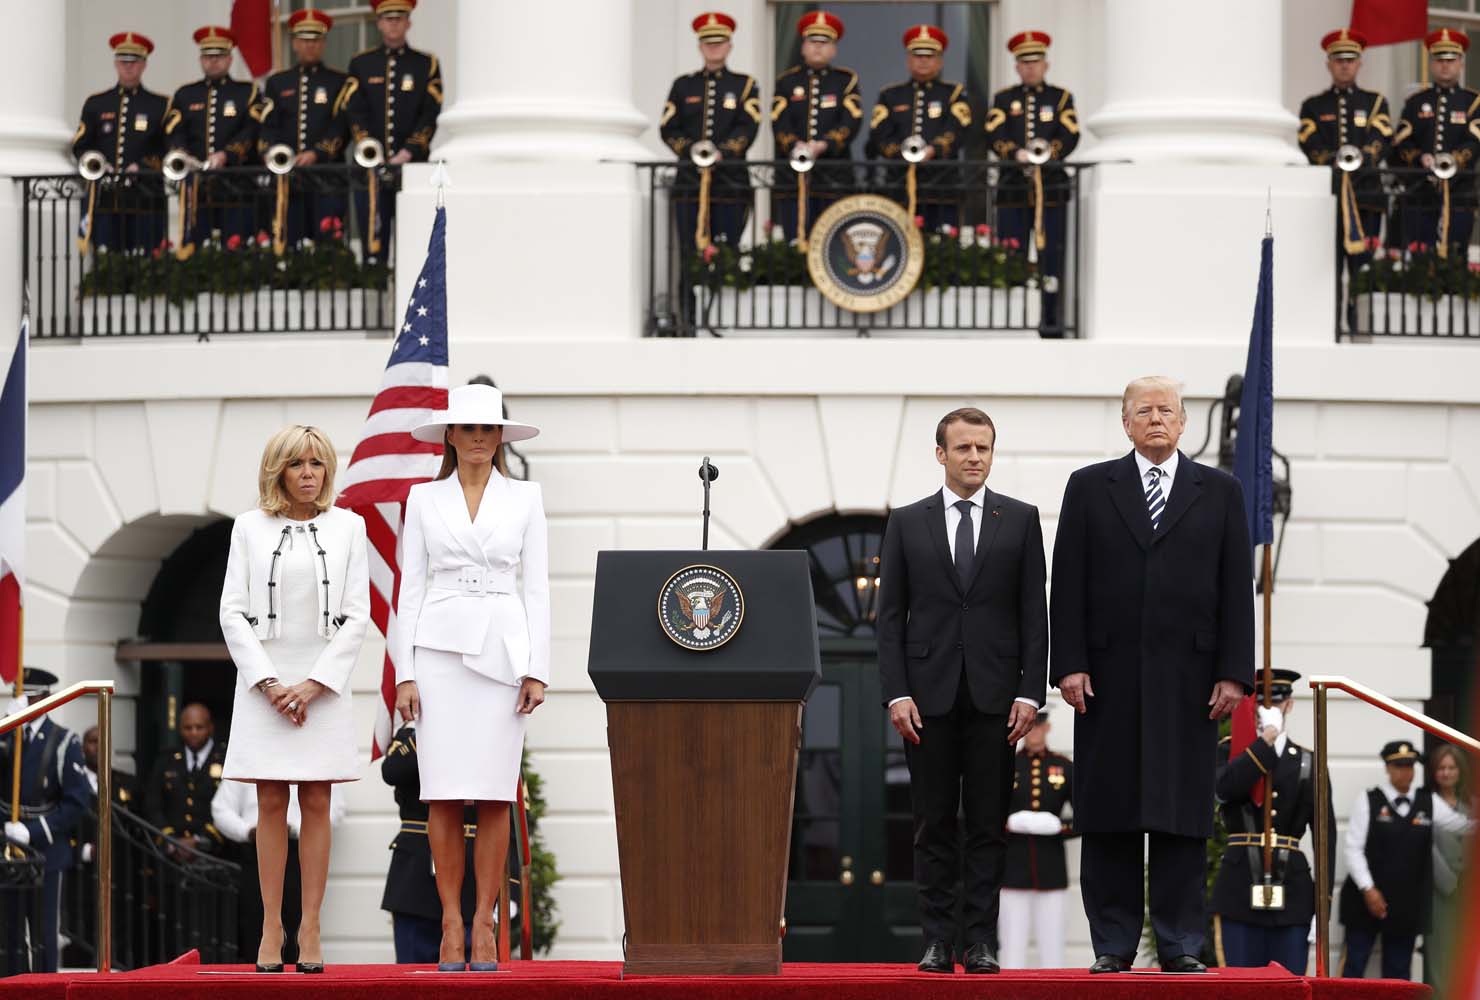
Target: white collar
1386, 788
1168, 468
201, 755
950, 498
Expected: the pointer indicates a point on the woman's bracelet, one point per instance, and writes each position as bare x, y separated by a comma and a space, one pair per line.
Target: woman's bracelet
263, 685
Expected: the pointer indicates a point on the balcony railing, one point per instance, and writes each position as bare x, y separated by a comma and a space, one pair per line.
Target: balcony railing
219, 252
982, 273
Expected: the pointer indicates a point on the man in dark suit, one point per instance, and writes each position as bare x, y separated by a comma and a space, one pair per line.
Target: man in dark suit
963, 648
1153, 643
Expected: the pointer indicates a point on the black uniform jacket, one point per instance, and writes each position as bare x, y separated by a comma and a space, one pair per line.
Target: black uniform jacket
1019, 115
54, 790
938, 111
1349, 116
410, 885
1440, 120
816, 104
723, 107
178, 800
126, 126
397, 99
1041, 783
207, 117
307, 109
1294, 808
932, 629
1156, 619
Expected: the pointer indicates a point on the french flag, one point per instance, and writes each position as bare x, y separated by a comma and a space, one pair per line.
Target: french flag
12, 508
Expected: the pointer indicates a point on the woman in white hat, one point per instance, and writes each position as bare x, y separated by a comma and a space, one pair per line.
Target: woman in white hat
471, 644
294, 609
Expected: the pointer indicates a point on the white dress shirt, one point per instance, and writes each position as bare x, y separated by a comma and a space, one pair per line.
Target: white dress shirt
1355, 845
195, 759
234, 809
1168, 470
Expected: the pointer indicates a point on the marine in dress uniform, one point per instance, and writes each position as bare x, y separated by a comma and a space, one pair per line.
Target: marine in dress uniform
1036, 881
126, 124
934, 109
1246, 937
717, 105
54, 798
1390, 867
212, 120
410, 887
1034, 110
816, 103
397, 98
306, 108
1443, 118
1346, 115
184, 782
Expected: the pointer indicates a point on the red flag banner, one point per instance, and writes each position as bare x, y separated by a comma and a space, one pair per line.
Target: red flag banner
251, 23
1387, 21
1245, 731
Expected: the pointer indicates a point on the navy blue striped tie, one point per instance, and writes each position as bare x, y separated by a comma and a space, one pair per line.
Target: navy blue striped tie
1156, 501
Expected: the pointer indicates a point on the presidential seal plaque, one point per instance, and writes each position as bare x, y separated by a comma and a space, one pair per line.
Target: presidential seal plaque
701, 607
865, 253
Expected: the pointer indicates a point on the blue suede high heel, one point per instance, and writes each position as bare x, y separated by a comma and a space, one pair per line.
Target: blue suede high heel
452, 967
482, 966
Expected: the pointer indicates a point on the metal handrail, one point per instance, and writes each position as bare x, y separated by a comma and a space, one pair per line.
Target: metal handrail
1322, 685
104, 690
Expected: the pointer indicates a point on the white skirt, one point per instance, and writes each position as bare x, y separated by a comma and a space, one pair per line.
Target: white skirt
470, 736
265, 746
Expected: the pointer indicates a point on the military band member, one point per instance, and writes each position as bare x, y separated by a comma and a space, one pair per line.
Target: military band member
307, 109
1246, 936
179, 795
126, 124
1390, 868
54, 798
1034, 110
1036, 879
817, 105
718, 105
936, 110
1441, 119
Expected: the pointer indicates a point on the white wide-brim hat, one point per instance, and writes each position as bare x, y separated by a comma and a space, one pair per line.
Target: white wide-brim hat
473, 404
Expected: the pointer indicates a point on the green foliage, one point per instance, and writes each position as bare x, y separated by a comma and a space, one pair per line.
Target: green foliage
1419, 271
542, 873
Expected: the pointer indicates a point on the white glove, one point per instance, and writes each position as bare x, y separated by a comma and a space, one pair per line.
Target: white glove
1271, 717
87, 854
14, 705
1034, 824
17, 833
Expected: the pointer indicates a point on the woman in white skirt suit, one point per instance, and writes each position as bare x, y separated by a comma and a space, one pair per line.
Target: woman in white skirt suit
471, 644
293, 611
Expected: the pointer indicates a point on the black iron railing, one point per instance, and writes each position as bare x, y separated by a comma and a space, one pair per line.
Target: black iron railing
982, 272
1412, 269
218, 252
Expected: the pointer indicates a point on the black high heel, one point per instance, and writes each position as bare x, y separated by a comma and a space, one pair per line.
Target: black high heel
311, 968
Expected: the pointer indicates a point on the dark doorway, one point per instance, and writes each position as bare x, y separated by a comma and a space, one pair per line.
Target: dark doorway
1451, 634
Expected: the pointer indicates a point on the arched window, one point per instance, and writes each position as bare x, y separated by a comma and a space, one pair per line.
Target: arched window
843, 550
1450, 633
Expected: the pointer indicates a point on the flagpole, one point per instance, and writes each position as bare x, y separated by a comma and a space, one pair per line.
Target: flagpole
1267, 576
15, 757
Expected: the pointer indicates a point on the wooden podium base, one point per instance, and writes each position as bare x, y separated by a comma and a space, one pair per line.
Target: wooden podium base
704, 794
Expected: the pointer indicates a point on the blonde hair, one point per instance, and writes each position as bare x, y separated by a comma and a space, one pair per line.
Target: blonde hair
1151, 383
284, 446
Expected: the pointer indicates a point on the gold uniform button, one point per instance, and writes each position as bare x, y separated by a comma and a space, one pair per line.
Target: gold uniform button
188, 817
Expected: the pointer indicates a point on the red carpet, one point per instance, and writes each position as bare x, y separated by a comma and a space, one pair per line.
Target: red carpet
551, 980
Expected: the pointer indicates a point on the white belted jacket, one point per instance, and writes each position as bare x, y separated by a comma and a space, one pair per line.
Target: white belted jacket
459, 591
252, 612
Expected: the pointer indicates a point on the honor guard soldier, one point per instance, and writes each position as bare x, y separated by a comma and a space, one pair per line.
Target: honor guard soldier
816, 108
1390, 868
125, 125
1030, 124
307, 110
1251, 933
53, 798
1350, 130
396, 101
721, 108
1439, 132
933, 109
212, 121
184, 782
1035, 881
410, 884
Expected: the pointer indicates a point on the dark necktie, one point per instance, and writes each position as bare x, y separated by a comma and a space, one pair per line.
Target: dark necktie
1155, 500
1402, 803
965, 544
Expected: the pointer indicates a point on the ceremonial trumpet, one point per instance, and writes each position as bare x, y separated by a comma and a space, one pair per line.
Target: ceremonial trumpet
279, 158
92, 165
914, 148
704, 153
1039, 151
1445, 166
179, 165
802, 159
1349, 158
369, 153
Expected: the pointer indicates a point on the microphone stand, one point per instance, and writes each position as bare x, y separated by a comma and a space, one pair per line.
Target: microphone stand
708, 472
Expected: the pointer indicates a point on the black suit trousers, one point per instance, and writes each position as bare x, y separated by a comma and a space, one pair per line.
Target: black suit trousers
1110, 879
962, 764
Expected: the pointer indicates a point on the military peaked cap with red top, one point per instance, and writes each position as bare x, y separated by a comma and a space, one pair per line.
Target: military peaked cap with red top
310, 23
1344, 43
1447, 42
130, 45
214, 38
925, 39
829, 26
1027, 46
712, 26
392, 6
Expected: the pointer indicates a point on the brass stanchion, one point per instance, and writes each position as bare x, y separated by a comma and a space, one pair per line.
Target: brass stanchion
105, 831
1322, 842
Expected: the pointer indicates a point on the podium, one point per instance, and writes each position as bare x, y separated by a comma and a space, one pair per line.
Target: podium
704, 660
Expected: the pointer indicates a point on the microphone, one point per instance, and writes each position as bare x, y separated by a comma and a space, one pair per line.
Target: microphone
708, 471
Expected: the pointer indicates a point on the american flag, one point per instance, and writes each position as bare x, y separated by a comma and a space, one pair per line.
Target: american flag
388, 461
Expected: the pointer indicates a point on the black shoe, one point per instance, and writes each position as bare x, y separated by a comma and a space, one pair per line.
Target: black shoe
937, 958
1183, 963
274, 967
1109, 963
979, 959
312, 968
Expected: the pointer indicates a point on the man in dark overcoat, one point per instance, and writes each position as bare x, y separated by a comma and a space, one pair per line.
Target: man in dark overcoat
1152, 625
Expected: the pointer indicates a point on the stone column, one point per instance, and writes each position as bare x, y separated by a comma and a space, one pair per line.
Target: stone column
35, 124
